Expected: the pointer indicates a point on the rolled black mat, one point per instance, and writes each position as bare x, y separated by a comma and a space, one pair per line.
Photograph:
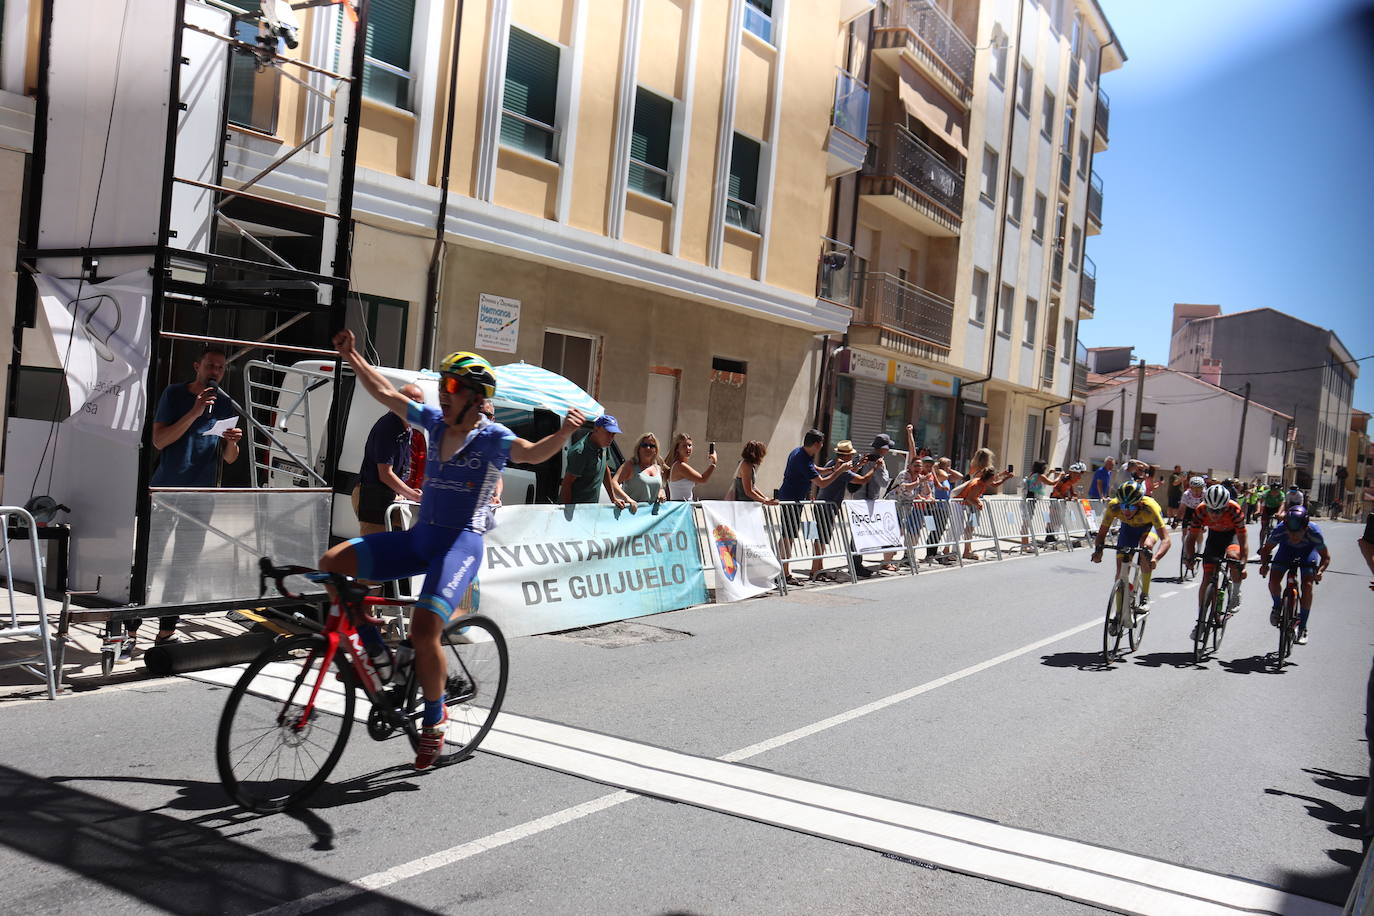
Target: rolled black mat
205, 653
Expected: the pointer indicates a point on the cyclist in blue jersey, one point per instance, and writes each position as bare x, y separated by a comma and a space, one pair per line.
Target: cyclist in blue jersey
463, 465
1299, 543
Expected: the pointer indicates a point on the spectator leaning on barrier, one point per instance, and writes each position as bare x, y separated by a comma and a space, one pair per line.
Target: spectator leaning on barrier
743, 488
385, 468
982, 478
587, 469
1101, 486
798, 477
1038, 485
832, 495
943, 479
876, 482
641, 476
682, 477
190, 458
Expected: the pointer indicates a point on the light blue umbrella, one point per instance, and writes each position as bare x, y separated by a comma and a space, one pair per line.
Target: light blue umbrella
522, 388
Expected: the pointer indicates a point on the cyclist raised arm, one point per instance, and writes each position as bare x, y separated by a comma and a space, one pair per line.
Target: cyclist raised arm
463, 465
1137, 513
1300, 545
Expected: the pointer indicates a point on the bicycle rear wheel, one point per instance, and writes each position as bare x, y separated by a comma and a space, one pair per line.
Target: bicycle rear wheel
478, 665
1287, 616
1136, 634
1116, 602
1204, 613
268, 756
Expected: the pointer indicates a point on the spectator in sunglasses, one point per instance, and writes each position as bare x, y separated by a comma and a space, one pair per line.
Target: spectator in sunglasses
641, 476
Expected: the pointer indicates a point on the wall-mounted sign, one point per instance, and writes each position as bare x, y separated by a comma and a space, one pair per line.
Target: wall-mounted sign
498, 323
903, 375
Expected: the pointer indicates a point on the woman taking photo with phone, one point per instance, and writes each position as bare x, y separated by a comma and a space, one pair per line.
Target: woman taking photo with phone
682, 477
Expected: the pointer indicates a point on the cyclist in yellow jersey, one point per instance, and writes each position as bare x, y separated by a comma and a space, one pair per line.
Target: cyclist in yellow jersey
1137, 513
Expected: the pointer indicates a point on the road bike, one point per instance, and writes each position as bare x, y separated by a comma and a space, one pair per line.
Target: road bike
1187, 562
1124, 597
288, 718
1214, 608
1290, 611
1266, 525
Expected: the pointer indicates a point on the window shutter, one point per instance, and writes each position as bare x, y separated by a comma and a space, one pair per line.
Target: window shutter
649, 141
531, 90
390, 24
744, 170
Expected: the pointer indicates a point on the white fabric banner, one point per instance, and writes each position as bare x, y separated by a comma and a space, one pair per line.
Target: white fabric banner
101, 333
740, 549
874, 524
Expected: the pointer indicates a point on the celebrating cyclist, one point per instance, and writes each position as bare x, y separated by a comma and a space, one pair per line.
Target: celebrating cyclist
1300, 544
1226, 539
1137, 513
463, 465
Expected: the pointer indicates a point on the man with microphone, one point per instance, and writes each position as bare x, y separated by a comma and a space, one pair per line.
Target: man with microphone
188, 457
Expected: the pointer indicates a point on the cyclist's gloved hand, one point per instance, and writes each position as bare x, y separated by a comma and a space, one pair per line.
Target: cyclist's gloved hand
1097, 556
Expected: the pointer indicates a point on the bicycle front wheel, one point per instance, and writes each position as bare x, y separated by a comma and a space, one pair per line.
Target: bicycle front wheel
1116, 603
1286, 618
1220, 617
1136, 635
269, 752
478, 665
1204, 613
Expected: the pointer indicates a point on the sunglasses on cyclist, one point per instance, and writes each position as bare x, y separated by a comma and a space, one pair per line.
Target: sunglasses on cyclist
450, 384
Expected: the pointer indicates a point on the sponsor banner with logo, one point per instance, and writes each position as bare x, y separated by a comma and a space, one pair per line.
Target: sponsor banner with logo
874, 524
1088, 514
548, 568
740, 549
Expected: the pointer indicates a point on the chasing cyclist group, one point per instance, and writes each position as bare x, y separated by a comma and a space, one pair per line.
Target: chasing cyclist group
1289, 538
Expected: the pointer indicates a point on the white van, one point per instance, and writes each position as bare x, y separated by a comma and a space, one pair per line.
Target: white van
294, 402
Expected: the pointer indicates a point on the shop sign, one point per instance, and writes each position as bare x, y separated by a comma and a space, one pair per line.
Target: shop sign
498, 323
903, 375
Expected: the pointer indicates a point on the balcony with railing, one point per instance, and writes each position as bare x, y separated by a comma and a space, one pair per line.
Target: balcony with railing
1047, 368
1087, 288
1057, 266
1101, 115
910, 181
835, 272
1080, 370
1065, 170
1074, 69
926, 33
1094, 203
921, 320
845, 143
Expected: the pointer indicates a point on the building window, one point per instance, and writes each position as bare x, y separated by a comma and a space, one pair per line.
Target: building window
1006, 305
1038, 218
650, 143
1102, 431
1016, 196
988, 189
1047, 117
252, 93
741, 205
1066, 140
572, 356
381, 324
1032, 317
386, 56
758, 18
979, 306
1024, 88
999, 55
1083, 149
841, 417
1075, 247
1068, 338
529, 105
1147, 432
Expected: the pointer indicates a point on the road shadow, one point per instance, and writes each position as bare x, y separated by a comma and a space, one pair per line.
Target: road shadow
1167, 660
1347, 823
1083, 661
1254, 664
165, 863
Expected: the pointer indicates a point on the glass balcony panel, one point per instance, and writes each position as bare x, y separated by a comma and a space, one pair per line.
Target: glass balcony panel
835, 272
851, 106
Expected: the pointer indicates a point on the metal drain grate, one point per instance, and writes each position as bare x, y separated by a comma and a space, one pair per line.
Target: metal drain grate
620, 634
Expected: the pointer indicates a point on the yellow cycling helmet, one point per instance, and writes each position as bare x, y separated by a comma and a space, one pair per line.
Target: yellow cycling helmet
470, 370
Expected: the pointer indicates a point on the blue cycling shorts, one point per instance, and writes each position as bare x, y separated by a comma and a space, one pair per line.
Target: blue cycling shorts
1131, 535
1286, 559
449, 558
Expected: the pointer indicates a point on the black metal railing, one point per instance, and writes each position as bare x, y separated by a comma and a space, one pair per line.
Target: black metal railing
835, 272
1047, 366
1095, 199
1080, 378
893, 303
893, 152
1073, 77
937, 40
1087, 284
1065, 170
1102, 113
1057, 267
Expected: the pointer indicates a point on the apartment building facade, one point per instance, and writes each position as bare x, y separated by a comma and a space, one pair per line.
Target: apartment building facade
1290, 365
970, 221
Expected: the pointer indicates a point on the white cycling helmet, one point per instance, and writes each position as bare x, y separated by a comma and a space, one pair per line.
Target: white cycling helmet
1197, 482
1216, 497
1077, 467
1294, 497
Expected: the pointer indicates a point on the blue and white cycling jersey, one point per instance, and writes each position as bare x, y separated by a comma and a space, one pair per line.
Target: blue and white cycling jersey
455, 490
1305, 550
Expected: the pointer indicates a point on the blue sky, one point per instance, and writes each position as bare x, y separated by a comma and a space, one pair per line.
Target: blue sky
1238, 173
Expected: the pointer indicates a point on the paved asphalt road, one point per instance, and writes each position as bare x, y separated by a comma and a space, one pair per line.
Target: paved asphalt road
773, 748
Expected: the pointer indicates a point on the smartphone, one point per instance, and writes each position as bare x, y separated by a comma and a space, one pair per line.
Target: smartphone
711, 449
1011, 469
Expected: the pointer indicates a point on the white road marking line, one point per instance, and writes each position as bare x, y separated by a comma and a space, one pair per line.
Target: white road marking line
960, 843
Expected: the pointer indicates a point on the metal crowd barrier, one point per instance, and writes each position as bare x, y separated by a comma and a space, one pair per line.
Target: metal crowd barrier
936, 524
819, 528
49, 672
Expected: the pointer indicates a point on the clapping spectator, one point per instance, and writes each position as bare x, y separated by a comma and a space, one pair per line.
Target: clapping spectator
682, 477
